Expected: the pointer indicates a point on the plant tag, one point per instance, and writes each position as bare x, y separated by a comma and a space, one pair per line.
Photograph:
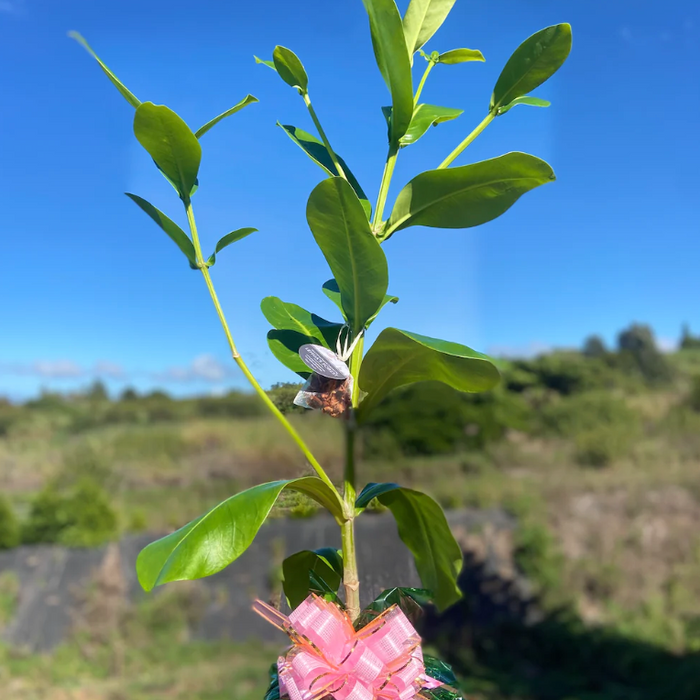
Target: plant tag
323, 361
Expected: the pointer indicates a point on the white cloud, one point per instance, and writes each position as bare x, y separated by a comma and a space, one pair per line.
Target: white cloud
61, 369
208, 367
109, 369
203, 368
55, 369
667, 344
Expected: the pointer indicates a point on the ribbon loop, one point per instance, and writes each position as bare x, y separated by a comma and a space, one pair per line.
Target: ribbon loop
329, 658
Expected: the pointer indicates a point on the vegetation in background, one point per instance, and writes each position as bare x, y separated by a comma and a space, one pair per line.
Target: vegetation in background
613, 551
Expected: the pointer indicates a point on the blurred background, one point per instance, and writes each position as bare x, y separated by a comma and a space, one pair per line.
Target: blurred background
575, 485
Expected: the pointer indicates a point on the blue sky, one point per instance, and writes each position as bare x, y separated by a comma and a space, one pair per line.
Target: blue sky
91, 287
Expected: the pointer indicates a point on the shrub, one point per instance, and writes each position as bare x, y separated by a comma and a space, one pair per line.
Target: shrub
572, 416
283, 395
93, 521
537, 555
430, 418
425, 418
235, 404
9, 525
569, 372
80, 516
638, 352
85, 462
694, 396
594, 347
149, 443
600, 447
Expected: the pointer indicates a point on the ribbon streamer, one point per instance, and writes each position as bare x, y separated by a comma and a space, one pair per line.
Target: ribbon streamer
381, 661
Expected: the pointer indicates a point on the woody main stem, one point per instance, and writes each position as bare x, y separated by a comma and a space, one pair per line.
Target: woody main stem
351, 579
239, 360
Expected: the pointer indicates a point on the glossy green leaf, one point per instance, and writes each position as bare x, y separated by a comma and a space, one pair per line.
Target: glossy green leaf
269, 64
285, 345
393, 60
247, 100
180, 238
284, 316
290, 68
533, 62
410, 600
372, 491
357, 261
217, 538
468, 195
398, 358
126, 93
455, 56
424, 530
304, 572
318, 153
226, 240
422, 19
331, 290
171, 144
527, 100
425, 116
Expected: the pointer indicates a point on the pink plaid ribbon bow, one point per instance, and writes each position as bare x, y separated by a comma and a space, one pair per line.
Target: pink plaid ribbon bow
381, 661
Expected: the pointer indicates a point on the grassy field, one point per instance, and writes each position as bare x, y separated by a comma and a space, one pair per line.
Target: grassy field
600, 463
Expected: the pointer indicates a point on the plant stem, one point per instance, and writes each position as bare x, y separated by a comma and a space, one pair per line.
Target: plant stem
355, 363
484, 123
350, 573
322, 134
384, 186
431, 65
239, 360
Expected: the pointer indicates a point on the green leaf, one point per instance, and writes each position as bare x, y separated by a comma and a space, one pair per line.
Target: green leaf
357, 261
410, 600
425, 116
424, 530
527, 100
170, 143
393, 60
215, 539
180, 238
247, 100
372, 491
284, 316
533, 62
468, 195
331, 290
306, 571
229, 238
451, 58
285, 345
398, 358
423, 18
127, 94
269, 64
319, 155
290, 68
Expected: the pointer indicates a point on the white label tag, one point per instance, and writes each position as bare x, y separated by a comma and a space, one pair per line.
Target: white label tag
323, 361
